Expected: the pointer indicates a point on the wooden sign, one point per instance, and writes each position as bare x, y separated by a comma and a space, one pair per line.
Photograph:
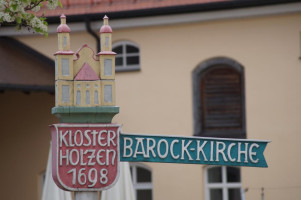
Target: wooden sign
192, 150
85, 157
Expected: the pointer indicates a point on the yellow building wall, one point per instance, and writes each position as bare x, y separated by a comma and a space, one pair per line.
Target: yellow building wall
86, 55
106, 45
25, 142
83, 87
68, 97
158, 99
102, 59
63, 41
59, 74
111, 101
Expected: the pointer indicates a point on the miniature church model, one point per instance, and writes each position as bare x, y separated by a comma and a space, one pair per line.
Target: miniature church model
83, 79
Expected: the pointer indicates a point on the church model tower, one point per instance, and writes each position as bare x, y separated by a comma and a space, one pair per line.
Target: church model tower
83, 79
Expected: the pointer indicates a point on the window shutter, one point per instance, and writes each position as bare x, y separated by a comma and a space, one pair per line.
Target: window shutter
222, 100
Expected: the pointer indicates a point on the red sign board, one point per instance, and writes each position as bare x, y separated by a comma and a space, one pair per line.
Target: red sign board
85, 157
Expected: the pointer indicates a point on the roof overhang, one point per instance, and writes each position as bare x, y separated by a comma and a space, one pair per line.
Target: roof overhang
23, 68
171, 15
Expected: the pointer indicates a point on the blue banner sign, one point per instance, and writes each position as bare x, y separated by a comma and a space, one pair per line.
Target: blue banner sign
192, 150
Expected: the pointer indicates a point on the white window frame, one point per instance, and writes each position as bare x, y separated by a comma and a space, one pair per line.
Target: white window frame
141, 186
224, 185
124, 55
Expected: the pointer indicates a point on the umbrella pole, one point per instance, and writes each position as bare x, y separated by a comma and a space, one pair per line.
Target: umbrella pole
85, 195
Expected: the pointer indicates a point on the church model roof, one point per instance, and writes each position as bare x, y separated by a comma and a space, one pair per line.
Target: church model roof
86, 73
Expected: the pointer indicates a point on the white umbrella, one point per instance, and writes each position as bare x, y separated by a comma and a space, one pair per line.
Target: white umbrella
123, 189
50, 190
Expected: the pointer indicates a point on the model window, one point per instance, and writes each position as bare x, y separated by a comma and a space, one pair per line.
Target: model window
128, 56
219, 99
223, 183
108, 93
107, 41
78, 97
96, 97
87, 97
108, 67
142, 181
65, 93
65, 41
65, 67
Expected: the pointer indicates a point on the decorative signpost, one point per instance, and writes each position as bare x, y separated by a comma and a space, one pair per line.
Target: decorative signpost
87, 147
85, 156
192, 150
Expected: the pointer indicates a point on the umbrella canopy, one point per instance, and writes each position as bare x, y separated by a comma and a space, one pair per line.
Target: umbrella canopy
123, 189
50, 189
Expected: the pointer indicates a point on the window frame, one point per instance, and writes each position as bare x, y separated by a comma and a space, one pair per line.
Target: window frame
144, 185
224, 185
197, 75
124, 55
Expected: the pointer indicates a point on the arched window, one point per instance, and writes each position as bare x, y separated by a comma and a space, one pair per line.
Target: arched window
142, 181
223, 183
128, 56
219, 103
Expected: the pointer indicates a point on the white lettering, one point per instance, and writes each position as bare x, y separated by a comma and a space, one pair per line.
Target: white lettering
112, 157
88, 138
172, 151
101, 138
139, 144
251, 153
159, 148
70, 139
229, 152
81, 139
245, 152
127, 147
81, 157
150, 147
211, 151
63, 139
111, 137
98, 157
71, 157
64, 157
184, 149
200, 149
91, 157
220, 151
94, 133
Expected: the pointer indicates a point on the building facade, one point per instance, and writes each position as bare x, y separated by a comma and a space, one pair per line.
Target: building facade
231, 72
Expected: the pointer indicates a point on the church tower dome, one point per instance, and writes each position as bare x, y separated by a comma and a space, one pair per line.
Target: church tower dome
105, 28
63, 27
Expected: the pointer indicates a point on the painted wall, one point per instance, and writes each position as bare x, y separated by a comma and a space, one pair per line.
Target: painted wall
158, 99
25, 143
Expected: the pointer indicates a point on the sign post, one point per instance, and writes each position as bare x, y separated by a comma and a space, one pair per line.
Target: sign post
87, 147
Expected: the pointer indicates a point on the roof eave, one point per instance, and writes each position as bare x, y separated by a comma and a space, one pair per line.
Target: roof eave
204, 7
